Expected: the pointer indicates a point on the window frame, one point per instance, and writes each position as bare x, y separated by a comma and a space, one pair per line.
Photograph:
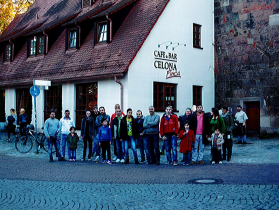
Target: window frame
33, 51
157, 92
5, 54
99, 33
73, 30
197, 33
196, 94
51, 98
38, 45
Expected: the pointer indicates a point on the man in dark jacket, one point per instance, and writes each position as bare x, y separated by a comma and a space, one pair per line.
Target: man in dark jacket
115, 130
87, 133
200, 125
129, 134
23, 120
141, 137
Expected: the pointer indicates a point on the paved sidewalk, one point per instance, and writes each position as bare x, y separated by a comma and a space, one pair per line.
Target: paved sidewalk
256, 151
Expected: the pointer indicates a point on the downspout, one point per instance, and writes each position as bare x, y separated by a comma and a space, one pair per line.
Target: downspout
13, 49
46, 42
110, 28
121, 91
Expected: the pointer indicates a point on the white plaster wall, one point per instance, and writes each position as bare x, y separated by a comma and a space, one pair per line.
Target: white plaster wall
69, 99
40, 101
195, 65
10, 99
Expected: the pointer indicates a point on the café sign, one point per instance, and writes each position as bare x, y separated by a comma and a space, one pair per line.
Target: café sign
167, 61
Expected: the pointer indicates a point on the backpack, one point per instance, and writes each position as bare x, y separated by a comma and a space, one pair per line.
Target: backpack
11, 119
23, 119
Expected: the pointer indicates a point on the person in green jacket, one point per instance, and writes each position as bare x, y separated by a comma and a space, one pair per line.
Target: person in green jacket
216, 121
72, 140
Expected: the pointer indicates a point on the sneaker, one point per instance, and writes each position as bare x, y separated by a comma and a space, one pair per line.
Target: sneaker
89, 159
62, 159
109, 162
184, 164
175, 163
97, 158
142, 160
114, 159
70, 160
8, 140
192, 163
117, 160
167, 163
51, 159
201, 162
162, 152
74, 160
187, 164
213, 162
82, 160
103, 161
220, 162
122, 161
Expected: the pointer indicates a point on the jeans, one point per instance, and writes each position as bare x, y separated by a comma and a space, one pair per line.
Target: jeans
198, 151
171, 144
163, 146
85, 140
216, 154
63, 141
72, 153
119, 149
241, 138
53, 141
187, 157
96, 147
140, 141
125, 147
106, 149
151, 144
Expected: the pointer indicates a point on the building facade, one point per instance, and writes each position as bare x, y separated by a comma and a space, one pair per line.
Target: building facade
246, 68
133, 52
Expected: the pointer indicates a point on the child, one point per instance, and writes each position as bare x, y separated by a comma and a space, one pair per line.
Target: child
11, 122
105, 140
187, 136
72, 140
217, 141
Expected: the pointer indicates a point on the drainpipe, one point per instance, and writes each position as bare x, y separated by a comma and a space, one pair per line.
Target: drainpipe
110, 28
46, 42
121, 92
13, 49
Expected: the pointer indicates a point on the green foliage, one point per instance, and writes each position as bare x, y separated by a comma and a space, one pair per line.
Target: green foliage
58, 113
2, 106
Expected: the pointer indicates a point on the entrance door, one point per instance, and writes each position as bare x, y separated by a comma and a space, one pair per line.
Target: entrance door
253, 122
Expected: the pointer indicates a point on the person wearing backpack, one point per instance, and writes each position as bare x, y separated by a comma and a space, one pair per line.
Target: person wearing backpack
23, 121
11, 122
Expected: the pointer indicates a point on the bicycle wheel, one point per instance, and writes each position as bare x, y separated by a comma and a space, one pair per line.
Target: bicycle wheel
44, 142
24, 144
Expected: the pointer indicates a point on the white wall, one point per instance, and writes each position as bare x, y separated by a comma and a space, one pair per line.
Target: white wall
10, 99
195, 65
69, 99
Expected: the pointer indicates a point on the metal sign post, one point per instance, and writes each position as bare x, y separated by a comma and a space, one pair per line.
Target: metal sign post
35, 91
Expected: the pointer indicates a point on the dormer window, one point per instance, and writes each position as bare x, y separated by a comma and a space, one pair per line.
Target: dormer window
102, 32
72, 42
37, 46
86, 3
8, 52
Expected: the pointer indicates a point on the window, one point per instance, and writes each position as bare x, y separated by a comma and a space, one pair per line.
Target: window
197, 36
102, 32
86, 99
86, 3
72, 39
197, 95
164, 94
37, 46
51, 97
41, 45
32, 47
8, 52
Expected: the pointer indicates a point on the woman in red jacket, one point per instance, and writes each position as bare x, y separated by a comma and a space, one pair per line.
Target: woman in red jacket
187, 136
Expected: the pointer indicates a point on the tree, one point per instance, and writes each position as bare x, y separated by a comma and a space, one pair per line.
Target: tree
9, 9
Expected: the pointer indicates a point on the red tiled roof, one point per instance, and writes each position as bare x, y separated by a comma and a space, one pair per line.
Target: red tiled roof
89, 61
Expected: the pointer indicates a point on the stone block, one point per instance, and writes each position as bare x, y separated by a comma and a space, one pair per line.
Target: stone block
250, 41
249, 24
234, 17
273, 20
255, 58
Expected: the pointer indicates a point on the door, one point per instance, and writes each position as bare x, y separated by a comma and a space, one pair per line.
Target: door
253, 122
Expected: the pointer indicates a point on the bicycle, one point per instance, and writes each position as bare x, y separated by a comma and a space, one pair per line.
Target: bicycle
24, 144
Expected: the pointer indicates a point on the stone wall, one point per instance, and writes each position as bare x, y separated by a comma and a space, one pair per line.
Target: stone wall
247, 56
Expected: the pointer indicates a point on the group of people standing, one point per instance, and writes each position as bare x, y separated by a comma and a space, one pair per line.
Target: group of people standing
98, 130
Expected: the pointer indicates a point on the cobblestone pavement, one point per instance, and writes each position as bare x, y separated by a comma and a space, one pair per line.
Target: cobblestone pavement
250, 181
